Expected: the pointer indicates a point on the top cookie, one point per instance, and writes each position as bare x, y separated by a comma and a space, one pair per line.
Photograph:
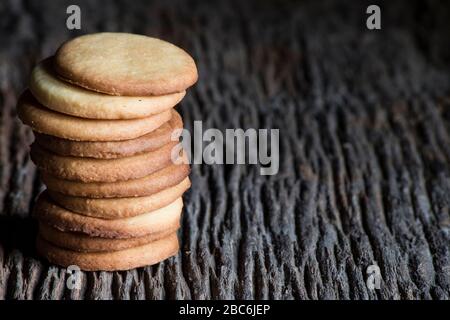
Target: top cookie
125, 64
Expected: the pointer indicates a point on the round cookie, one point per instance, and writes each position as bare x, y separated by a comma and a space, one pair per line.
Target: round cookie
126, 259
46, 121
63, 97
156, 221
102, 170
125, 64
169, 131
83, 243
117, 208
145, 186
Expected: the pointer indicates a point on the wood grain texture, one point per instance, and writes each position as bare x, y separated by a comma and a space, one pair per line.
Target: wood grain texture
364, 120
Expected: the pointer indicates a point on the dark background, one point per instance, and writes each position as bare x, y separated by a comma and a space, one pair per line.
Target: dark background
364, 119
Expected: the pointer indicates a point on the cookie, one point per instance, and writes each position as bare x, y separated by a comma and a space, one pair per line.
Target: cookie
116, 208
145, 186
159, 220
44, 120
102, 170
83, 243
125, 64
126, 259
63, 97
169, 131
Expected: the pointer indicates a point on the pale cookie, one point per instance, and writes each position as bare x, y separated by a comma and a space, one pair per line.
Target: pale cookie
81, 242
63, 97
116, 208
153, 183
127, 259
102, 170
46, 121
159, 220
125, 64
169, 131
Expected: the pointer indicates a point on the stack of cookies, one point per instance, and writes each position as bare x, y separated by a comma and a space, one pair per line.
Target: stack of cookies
107, 146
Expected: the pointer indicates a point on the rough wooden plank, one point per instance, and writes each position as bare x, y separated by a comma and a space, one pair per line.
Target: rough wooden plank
364, 133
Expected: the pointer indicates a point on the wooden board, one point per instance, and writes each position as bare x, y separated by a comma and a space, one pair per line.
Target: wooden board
364, 119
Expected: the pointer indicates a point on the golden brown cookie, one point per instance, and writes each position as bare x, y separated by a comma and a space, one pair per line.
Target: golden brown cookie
63, 97
144, 186
116, 208
168, 132
125, 64
102, 170
156, 221
81, 242
126, 259
46, 121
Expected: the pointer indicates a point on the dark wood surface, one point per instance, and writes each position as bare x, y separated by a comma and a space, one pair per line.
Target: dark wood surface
364, 120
